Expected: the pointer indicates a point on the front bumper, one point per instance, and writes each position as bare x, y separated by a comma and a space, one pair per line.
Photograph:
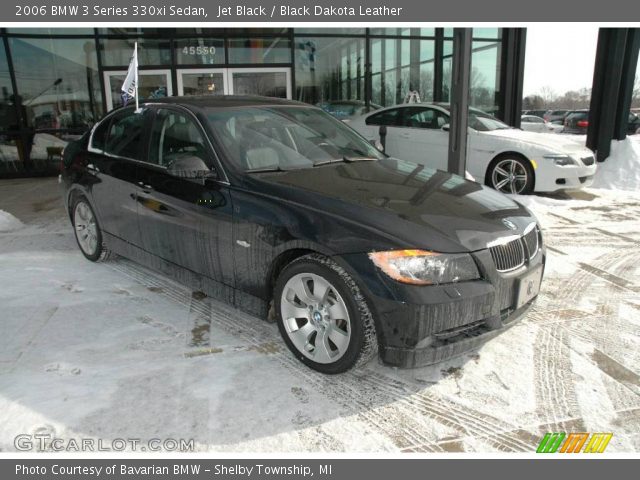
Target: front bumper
564, 178
423, 325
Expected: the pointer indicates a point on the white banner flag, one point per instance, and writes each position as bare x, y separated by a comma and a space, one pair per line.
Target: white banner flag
130, 85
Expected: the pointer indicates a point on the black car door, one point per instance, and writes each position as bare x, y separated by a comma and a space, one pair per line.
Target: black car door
187, 221
117, 145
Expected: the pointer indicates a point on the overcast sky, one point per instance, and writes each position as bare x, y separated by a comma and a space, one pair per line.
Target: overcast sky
560, 57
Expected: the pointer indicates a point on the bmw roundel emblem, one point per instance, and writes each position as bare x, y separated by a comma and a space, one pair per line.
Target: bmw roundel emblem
509, 224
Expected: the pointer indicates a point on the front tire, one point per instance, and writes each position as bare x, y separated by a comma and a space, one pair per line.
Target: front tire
511, 175
87, 231
322, 315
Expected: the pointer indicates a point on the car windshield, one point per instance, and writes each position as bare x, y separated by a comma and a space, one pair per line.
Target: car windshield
286, 137
483, 122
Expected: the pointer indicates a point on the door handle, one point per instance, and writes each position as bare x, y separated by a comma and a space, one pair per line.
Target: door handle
92, 168
145, 187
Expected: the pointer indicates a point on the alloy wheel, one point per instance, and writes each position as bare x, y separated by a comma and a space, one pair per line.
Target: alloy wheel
509, 176
315, 318
86, 228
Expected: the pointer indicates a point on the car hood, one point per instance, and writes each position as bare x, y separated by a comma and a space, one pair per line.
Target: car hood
556, 143
416, 206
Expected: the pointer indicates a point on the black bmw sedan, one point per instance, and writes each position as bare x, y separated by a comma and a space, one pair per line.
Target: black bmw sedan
285, 212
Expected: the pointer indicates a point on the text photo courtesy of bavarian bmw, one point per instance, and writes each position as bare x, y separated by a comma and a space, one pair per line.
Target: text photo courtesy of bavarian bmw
268, 203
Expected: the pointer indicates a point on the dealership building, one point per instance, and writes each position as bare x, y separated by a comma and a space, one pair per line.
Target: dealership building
55, 83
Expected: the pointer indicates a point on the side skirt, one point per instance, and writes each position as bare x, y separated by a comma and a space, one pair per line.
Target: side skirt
198, 282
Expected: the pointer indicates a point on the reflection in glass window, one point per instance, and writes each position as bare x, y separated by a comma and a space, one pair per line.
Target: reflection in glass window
260, 50
267, 84
485, 74
51, 31
400, 67
152, 85
326, 31
329, 69
7, 112
404, 32
58, 81
116, 52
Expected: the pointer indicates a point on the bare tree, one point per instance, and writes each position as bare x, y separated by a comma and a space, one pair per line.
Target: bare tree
548, 95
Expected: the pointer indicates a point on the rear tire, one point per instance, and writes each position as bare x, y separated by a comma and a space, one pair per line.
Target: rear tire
322, 315
87, 231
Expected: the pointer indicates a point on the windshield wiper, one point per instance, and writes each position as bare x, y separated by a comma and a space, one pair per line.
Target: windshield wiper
345, 159
266, 169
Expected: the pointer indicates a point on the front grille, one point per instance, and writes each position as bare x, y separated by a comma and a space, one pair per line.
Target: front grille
588, 160
508, 256
531, 240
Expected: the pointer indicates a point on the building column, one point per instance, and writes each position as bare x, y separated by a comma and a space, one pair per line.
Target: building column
459, 104
616, 60
514, 42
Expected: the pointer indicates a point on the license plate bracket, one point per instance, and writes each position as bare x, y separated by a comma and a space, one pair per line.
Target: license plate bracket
528, 287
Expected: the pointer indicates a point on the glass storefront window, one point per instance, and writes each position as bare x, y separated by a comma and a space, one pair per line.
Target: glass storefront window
259, 50
404, 32
116, 52
135, 31
329, 69
7, 111
152, 85
59, 98
51, 31
484, 91
202, 83
327, 31
200, 51
400, 67
58, 81
484, 88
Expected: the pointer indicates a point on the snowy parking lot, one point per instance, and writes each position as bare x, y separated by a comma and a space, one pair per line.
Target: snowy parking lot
113, 350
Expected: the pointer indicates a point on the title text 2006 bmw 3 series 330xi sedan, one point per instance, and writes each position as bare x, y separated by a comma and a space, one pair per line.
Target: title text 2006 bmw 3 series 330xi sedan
278, 208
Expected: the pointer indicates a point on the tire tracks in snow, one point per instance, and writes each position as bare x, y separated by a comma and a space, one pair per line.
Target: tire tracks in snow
383, 404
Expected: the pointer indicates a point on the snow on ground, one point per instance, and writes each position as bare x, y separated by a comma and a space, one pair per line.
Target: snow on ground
105, 351
8, 222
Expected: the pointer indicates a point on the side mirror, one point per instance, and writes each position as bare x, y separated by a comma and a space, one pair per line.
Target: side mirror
190, 167
445, 127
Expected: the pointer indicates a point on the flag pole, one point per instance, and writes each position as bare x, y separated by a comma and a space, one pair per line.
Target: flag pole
135, 53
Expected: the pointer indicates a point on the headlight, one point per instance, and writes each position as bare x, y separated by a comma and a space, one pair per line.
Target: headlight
561, 160
420, 267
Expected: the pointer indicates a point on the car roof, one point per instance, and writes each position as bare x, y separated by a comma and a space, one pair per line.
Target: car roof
225, 101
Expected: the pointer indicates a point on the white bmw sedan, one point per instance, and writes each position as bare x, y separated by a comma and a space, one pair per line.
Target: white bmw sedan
505, 158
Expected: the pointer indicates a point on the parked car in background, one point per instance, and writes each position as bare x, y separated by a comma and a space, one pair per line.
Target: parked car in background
536, 113
274, 205
531, 123
552, 115
577, 122
633, 126
346, 109
505, 158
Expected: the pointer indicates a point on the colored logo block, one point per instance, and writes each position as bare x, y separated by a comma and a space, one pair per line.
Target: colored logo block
562, 442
